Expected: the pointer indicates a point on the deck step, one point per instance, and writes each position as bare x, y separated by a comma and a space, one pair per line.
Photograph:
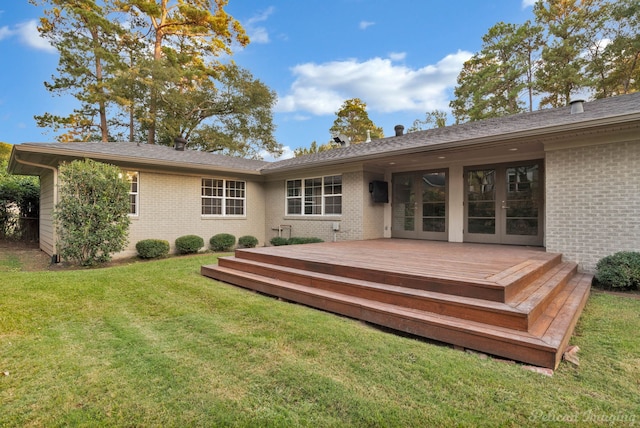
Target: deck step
484, 311
515, 302
543, 346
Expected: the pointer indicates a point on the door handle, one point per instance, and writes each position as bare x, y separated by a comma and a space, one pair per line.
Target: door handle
504, 207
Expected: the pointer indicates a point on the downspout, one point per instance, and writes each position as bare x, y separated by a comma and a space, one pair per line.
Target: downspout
54, 256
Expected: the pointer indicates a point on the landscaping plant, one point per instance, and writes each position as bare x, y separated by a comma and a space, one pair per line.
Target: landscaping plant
152, 248
222, 242
92, 213
620, 271
189, 244
247, 241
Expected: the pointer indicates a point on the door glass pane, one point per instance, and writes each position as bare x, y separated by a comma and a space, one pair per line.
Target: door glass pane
434, 207
481, 200
404, 202
522, 207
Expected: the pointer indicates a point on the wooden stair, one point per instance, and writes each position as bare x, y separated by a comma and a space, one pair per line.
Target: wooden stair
525, 312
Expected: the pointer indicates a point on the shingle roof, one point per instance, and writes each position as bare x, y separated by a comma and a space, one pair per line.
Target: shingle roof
147, 153
605, 111
541, 121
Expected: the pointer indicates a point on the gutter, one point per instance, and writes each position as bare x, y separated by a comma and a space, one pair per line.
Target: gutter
54, 256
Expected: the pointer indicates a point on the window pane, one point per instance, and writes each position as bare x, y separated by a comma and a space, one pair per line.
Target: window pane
294, 206
333, 205
211, 206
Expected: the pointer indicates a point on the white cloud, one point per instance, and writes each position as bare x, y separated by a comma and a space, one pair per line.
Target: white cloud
287, 153
365, 24
321, 89
259, 34
5, 32
397, 56
27, 33
528, 3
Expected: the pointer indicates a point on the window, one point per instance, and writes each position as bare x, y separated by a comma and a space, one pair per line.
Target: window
223, 197
132, 177
315, 196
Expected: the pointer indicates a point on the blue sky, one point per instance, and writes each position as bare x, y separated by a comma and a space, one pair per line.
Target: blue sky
400, 57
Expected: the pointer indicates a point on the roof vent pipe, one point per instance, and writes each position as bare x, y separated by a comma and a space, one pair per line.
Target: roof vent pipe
399, 130
179, 143
577, 106
368, 136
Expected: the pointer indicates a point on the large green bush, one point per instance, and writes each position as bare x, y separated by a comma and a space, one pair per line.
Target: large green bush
152, 248
620, 271
189, 244
222, 242
92, 213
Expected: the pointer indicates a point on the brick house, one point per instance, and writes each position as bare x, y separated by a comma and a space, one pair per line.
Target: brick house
566, 179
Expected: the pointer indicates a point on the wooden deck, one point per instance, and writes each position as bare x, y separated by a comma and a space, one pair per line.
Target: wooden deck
514, 302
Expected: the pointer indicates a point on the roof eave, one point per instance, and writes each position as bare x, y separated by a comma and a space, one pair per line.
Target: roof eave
42, 149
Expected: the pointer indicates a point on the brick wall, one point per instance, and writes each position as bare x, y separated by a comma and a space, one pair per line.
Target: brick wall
170, 207
351, 221
593, 201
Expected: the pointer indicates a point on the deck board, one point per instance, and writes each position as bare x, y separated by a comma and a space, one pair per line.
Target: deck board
515, 302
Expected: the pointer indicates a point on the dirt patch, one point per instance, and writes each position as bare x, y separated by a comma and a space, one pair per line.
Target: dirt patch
22, 256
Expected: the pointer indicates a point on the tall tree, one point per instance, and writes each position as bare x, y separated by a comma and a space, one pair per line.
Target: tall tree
353, 121
572, 27
197, 30
85, 39
231, 114
433, 119
616, 70
492, 81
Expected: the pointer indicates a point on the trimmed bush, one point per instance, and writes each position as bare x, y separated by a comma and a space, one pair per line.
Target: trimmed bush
222, 242
297, 240
620, 271
278, 240
189, 244
247, 241
152, 248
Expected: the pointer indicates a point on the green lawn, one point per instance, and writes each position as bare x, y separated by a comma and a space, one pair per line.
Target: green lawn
156, 344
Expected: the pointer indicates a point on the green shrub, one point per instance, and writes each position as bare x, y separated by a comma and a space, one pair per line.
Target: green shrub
222, 242
152, 248
247, 241
279, 240
189, 244
620, 270
297, 240
92, 212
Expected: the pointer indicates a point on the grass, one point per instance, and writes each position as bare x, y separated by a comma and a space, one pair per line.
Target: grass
156, 344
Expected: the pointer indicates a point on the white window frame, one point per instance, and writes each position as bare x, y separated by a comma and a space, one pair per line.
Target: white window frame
224, 191
134, 193
309, 201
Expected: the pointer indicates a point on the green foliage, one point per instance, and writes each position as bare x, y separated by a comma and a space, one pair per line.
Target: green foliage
152, 248
222, 242
278, 240
19, 201
92, 213
433, 119
247, 241
294, 240
619, 271
315, 148
189, 244
353, 121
